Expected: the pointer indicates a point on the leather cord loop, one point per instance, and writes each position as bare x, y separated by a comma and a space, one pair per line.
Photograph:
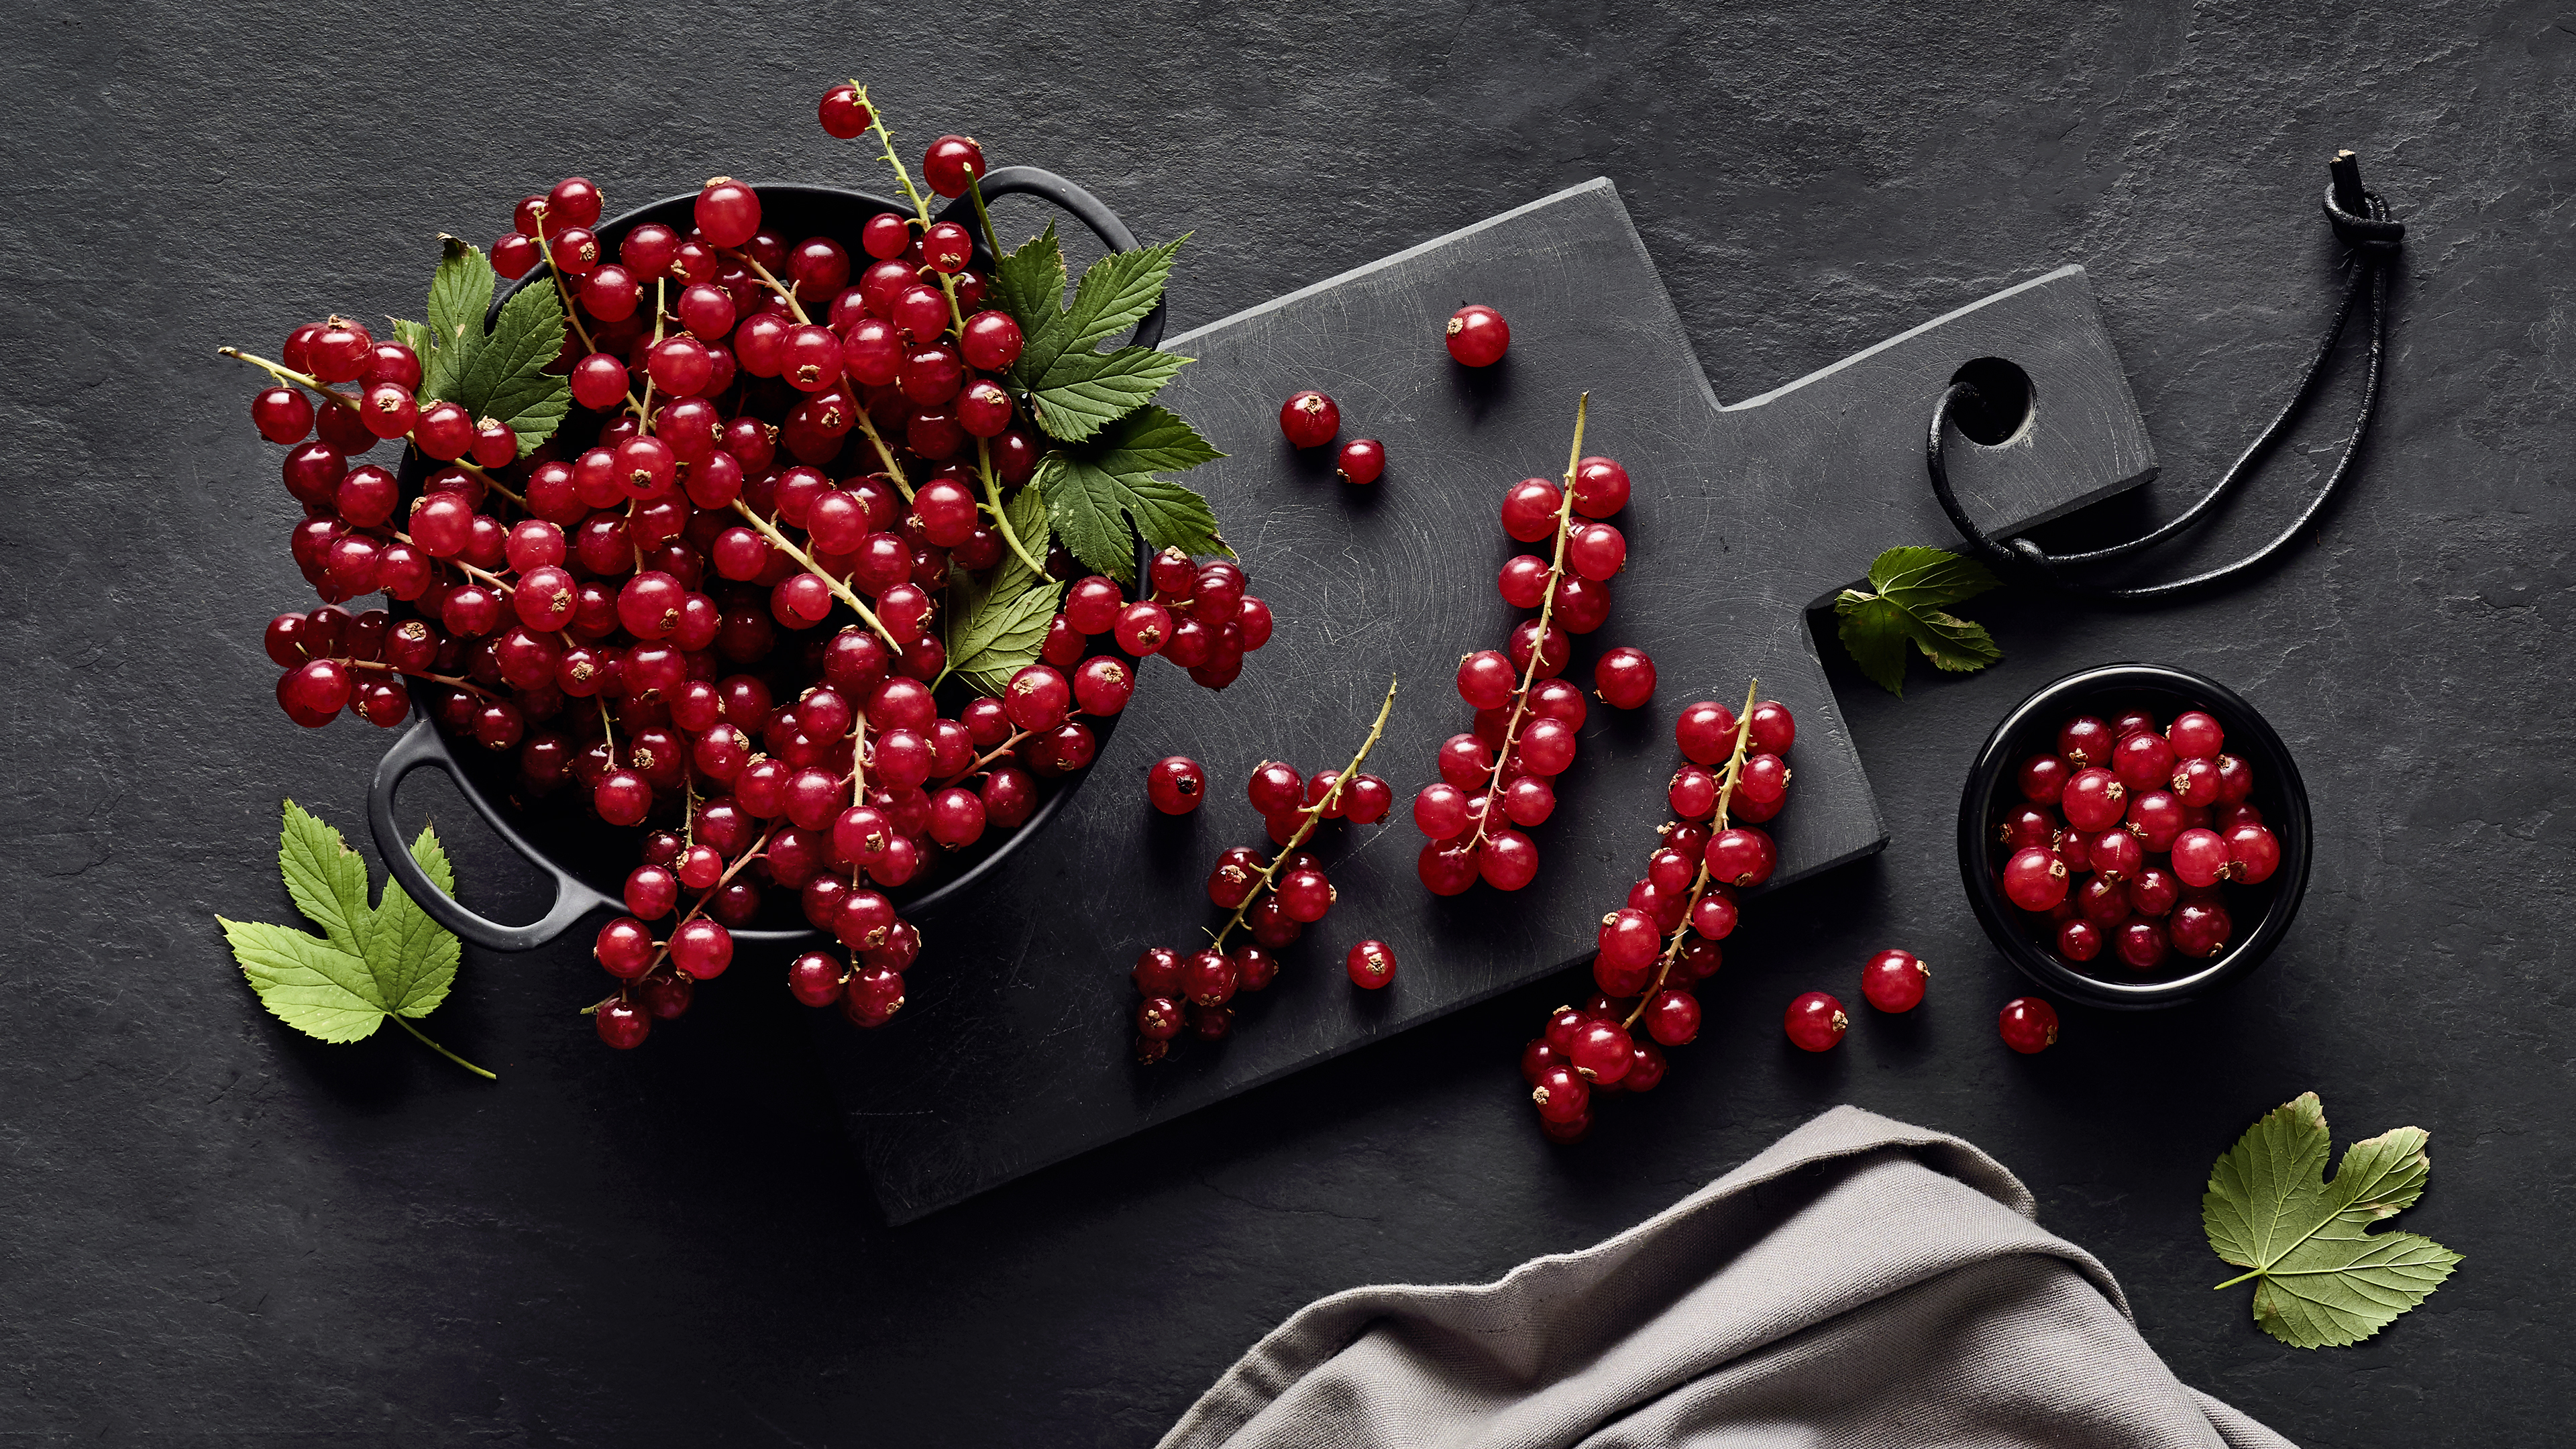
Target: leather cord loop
2362, 221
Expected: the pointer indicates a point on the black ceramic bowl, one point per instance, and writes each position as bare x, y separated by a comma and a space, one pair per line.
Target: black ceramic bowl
588, 859
2261, 913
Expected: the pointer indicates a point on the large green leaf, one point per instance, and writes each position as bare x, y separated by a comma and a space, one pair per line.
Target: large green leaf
995, 633
460, 292
1029, 283
2326, 1279
370, 963
1117, 291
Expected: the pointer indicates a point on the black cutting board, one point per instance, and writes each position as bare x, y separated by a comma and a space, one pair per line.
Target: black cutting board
1012, 1050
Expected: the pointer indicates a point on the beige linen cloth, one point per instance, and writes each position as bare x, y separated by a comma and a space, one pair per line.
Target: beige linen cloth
1861, 1283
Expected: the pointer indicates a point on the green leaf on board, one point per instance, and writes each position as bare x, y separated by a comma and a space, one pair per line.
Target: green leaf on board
370, 962
1909, 592
2325, 1278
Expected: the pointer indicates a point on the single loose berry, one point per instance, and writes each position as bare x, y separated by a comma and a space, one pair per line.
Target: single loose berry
951, 163
2027, 1024
1371, 964
1309, 419
1362, 460
1477, 335
843, 115
1815, 1022
1893, 980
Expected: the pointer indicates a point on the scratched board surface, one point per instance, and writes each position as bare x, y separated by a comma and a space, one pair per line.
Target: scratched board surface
1012, 1051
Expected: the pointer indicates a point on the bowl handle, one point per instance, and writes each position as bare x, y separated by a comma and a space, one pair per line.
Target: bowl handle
1088, 209
573, 900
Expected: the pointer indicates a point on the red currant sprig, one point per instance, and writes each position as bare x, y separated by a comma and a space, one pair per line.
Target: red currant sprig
1654, 950
1273, 901
1498, 780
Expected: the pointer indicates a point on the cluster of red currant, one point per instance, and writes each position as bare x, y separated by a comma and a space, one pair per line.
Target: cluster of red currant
1498, 779
2159, 819
1273, 901
641, 614
1664, 941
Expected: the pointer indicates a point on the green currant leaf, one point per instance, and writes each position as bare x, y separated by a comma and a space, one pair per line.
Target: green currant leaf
1117, 291
1873, 631
506, 377
460, 292
1914, 585
370, 962
1929, 578
2326, 1279
1082, 392
1030, 286
1095, 492
995, 633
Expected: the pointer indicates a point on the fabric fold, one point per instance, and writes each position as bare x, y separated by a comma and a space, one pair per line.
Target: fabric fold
1860, 1282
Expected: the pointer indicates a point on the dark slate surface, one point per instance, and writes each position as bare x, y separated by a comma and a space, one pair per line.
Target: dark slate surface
219, 1233
1740, 518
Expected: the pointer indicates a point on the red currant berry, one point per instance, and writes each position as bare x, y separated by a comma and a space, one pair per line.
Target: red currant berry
2154, 892
1371, 965
2200, 928
622, 1024
1530, 510
1815, 1022
1773, 729
624, 948
2035, 879
2027, 1024
843, 114
1508, 860
2079, 940
2043, 779
1446, 868
948, 247
1477, 335
1562, 1096
2201, 857
1486, 680
282, 415
1624, 678
1706, 732
2083, 741
2253, 853
951, 163
2141, 943
1600, 1051
2094, 799
1893, 980
1309, 419
1600, 487
1672, 1018
2143, 761
1741, 855
2196, 735
727, 212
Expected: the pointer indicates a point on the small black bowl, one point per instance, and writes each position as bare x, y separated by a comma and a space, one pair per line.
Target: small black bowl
2106, 691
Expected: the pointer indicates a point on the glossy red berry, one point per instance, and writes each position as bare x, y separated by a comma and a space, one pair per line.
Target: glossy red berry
2141, 943
622, 1024
2196, 735
1477, 335
843, 114
2253, 853
727, 212
1815, 1022
1624, 677
1370, 964
2200, 929
951, 163
1893, 980
1706, 732
2035, 879
2042, 779
1309, 419
2027, 1024
1562, 1096
1275, 788
1362, 461
2094, 799
991, 341
1601, 487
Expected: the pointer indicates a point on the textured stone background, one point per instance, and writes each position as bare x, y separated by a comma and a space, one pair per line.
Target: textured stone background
212, 1230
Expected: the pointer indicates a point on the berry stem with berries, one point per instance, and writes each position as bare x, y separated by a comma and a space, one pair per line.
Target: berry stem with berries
920, 206
840, 589
1309, 815
1699, 883
316, 387
1546, 612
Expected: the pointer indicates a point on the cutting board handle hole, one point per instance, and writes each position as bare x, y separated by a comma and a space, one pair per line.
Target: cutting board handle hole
2001, 408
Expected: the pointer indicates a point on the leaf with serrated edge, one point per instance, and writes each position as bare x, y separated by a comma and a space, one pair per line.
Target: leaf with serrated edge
2325, 1278
326, 879
1030, 284
305, 981
415, 335
1082, 392
507, 379
1154, 439
996, 636
1091, 507
1917, 579
1118, 290
372, 961
1873, 631
1951, 643
413, 957
460, 292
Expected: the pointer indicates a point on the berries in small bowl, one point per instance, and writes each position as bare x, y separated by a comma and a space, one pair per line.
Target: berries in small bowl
2134, 836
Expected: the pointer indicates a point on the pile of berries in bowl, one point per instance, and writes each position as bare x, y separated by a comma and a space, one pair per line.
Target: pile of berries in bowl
2134, 836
